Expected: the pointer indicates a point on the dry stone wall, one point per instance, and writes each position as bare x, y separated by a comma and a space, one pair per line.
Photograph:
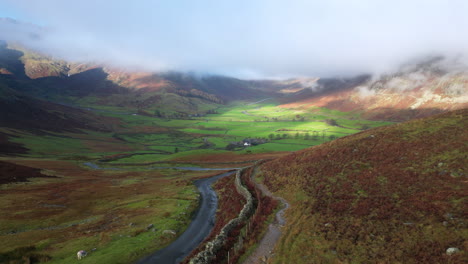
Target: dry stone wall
211, 248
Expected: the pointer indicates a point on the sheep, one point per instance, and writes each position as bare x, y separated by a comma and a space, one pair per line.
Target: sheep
81, 254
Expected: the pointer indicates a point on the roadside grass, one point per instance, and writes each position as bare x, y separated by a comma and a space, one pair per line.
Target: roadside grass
86, 209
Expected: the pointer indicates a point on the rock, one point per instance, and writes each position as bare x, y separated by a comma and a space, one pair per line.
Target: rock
131, 224
169, 232
452, 250
448, 216
149, 226
263, 259
26, 260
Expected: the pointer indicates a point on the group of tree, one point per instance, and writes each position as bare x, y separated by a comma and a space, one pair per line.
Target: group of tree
277, 136
199, 94
315, 135
174, 115
331, 122
276, 119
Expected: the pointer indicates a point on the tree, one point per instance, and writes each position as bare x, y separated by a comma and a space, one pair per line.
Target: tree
285, 135
278, 136
331, 122
230, 146
332, 137
297, 135
176, 150
271, 136
307, 136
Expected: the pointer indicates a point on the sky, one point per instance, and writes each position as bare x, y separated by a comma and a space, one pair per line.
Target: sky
242, 38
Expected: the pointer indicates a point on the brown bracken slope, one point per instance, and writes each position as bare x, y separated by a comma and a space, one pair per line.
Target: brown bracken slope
10, 172
394, 194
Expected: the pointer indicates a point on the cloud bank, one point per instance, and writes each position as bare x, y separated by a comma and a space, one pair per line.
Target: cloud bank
245, 38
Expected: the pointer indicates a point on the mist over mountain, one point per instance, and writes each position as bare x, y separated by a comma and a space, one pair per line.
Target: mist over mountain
117, 116
247, 39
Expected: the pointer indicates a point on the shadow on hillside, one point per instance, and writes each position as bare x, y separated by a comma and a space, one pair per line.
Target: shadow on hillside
384, 113
23, 106
326, 86
10, 61
225, 88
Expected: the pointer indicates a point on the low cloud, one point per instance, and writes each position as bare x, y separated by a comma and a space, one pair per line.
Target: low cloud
245, 38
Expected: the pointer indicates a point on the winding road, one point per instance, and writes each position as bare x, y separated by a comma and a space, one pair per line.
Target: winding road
199, 228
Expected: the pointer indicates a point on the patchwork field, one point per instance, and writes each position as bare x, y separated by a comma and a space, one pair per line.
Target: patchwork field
106, 195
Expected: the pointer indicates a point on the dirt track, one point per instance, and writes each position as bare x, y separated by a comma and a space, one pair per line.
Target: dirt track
266, 246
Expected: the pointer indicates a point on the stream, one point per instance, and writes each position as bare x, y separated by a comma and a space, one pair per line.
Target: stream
197, 231
97, 167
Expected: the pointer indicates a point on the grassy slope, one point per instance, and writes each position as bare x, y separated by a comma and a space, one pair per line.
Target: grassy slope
126, 195
156, 139
395, 194
83, 209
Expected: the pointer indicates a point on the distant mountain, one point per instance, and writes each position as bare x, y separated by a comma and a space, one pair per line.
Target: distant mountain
142, 90
416, 90
394, 194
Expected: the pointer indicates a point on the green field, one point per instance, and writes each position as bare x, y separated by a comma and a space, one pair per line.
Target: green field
152, 139
126, 193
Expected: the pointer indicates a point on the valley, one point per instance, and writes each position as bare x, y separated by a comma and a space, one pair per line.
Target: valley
104, 160
130, 184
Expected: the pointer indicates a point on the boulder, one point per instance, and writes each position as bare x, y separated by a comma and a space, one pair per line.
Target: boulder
452, 250
169, 232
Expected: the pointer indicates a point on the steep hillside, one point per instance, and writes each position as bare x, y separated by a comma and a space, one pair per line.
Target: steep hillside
169, 94
25, 114
416, 90
29, 114
394, 194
